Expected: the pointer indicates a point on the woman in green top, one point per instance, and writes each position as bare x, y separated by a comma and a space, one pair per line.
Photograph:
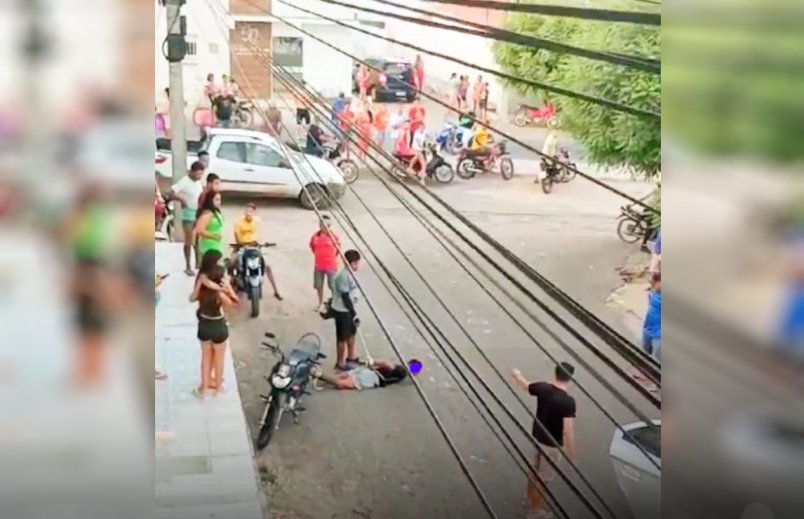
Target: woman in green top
209, 227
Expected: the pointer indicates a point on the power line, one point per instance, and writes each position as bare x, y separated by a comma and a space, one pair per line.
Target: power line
581, 13
449, 250
529, 41
503, 34
412, 302
430, 409
453, 109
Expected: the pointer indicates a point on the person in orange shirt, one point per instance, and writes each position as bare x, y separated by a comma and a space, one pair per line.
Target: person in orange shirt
346, 119
381, 125
364, 132
363, 77
419, 71
416, 116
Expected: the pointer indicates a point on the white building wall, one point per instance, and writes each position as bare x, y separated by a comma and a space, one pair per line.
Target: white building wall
208, 27
466, 47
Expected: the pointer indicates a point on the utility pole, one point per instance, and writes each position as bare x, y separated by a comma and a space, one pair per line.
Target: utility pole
176, 47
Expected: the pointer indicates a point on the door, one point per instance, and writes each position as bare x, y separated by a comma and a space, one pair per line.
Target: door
269, 168
636, 469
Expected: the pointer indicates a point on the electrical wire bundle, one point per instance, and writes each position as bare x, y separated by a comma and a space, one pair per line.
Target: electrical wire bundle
454, 361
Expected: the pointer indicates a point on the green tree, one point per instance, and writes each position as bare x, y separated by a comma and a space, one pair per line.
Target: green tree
609, 138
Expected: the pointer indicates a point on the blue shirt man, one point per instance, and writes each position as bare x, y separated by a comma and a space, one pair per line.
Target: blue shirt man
337, 107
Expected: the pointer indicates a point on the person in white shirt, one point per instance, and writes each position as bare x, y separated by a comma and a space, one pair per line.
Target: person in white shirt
549, 149
397, 123
417, 146
187, 192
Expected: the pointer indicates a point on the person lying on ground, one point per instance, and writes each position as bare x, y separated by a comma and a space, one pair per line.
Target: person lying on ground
378, 373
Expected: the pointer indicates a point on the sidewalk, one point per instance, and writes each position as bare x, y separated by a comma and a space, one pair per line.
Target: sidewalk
632, 296
207, 470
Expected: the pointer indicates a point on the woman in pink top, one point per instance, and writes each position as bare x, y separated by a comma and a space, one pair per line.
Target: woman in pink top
324, 246
363, 76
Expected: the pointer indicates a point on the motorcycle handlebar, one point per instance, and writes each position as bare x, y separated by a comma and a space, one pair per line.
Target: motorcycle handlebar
252, 244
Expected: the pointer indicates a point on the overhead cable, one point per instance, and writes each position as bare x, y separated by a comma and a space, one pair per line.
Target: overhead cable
581, 13
428, 405
416, 215
453, 109
503, 34
457, 352
528, 41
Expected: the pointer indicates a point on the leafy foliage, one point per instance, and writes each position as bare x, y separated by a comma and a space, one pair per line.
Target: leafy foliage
610, 138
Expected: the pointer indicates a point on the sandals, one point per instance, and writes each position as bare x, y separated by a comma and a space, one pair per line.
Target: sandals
198, 393
278, 297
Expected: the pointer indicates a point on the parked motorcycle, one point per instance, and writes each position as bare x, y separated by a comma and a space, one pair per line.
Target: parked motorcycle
287, 383
632, 225
249, 271
242, 115
562, 170
337, 152
436, 167
497, 158
542, 116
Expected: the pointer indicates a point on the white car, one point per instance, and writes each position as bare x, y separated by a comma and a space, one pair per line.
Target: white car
639, 476
254, 162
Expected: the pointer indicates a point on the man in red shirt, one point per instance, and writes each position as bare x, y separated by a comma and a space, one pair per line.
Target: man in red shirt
324, 244
416, 116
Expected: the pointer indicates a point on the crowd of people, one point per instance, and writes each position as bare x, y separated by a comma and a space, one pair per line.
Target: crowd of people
215, 108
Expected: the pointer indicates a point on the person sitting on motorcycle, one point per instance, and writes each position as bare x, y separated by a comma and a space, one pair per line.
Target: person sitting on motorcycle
480, 140
245, 234
549, 149
315, 139
466, 120
417, 147
375, 374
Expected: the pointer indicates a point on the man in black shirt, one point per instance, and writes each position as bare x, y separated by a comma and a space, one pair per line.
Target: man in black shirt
315, 139
553, 427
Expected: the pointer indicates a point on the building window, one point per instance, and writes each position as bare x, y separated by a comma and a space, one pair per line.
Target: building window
192, 49
288, 53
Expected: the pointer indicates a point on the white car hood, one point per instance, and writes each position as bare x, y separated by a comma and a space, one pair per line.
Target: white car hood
314, 169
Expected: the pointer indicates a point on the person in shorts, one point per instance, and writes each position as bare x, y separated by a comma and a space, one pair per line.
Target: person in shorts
187, 192
342, 309
324, 245
376, 374
553, 429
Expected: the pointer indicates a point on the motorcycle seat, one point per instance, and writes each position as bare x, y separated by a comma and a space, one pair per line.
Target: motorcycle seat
476, 153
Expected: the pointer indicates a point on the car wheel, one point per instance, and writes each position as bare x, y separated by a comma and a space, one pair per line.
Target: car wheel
314, 196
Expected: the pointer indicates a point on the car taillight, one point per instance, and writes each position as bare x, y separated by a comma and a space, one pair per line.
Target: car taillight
160, 159
383, 78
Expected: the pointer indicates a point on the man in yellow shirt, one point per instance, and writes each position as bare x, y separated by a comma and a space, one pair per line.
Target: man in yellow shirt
481, 138
245, 233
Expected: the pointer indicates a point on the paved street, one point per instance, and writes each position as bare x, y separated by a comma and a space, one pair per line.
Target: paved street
372, 454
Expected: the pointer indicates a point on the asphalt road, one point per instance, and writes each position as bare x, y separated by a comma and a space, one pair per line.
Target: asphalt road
378, 453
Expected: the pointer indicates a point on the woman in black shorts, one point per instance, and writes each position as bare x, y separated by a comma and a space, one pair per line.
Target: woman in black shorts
213, 293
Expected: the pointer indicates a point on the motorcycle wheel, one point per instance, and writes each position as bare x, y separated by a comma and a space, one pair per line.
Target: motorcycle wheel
568, 174
506, 168
270, 420
520, 119
245, 118
349, 171
444, 173
629, 230
254, 297
465, 169
547, 185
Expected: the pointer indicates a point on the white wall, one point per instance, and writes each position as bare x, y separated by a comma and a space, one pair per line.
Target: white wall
465, 47
325, 69
209, 29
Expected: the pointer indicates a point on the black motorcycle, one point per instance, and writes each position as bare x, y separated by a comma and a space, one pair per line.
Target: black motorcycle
338, 153
248, 272
287, 383
632, 225
436, 168
561, 170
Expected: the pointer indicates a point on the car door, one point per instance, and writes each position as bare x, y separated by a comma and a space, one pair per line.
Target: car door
635, 457
270, 170
228, 161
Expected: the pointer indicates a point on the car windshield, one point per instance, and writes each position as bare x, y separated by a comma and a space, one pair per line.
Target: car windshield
649, 438
396, 69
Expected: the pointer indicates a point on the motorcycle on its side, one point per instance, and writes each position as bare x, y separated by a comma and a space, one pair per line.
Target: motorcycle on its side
287, 383
249, 272
562, 170
495, 159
